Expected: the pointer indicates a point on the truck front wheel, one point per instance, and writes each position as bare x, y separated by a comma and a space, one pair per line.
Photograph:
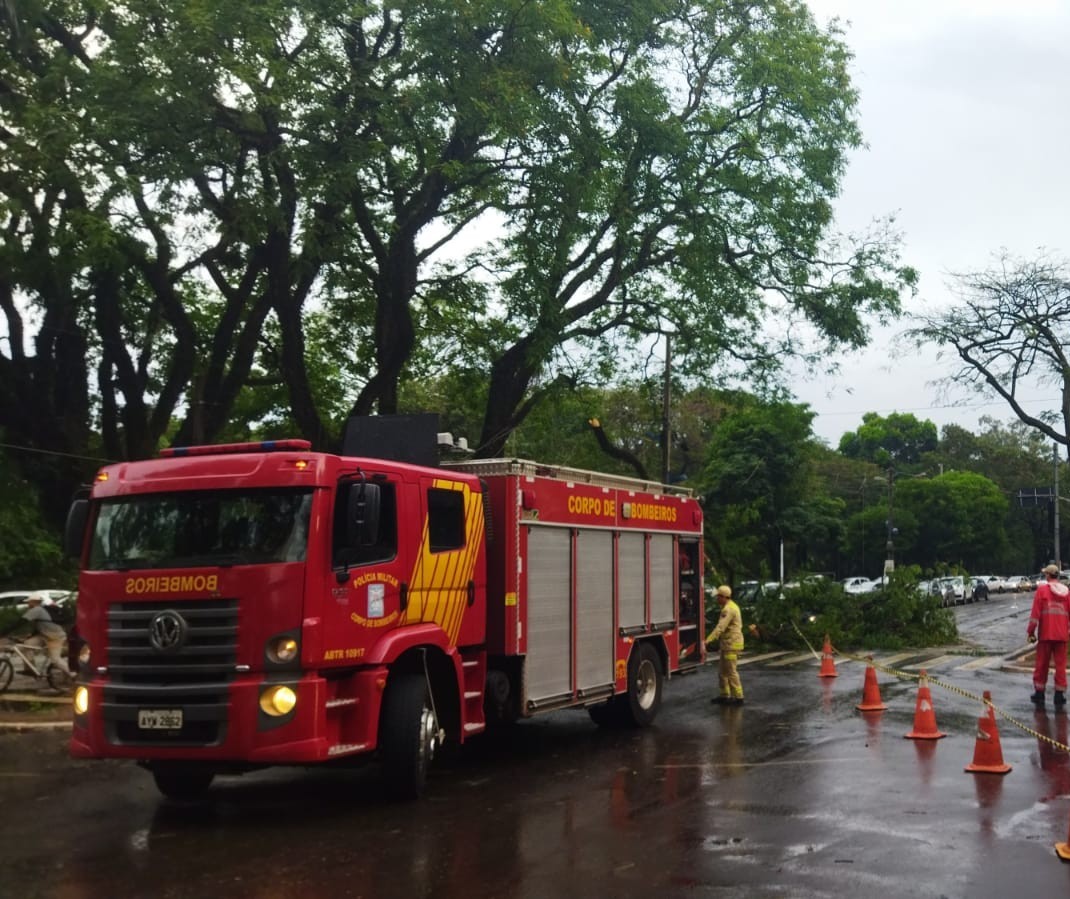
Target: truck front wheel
177, 782
643, 699
409, 735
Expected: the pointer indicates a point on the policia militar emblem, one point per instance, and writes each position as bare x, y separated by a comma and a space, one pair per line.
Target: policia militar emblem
167, 631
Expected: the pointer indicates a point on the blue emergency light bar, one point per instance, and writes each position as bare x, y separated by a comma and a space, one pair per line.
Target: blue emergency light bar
219, 449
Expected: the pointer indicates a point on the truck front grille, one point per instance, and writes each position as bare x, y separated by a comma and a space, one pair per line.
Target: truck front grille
192, 675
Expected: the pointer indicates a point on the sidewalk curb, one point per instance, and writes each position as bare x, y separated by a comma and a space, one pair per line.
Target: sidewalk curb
23, 698
20, 726
15, 703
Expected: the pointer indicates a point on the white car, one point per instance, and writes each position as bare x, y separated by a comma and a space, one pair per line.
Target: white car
1017, 583
953, 590
857, 585
994, 582
17, 598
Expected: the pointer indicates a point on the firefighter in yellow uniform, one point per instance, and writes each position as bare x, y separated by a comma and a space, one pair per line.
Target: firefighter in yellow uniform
729, 631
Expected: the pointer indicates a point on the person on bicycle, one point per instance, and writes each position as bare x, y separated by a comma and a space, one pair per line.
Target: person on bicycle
44, 633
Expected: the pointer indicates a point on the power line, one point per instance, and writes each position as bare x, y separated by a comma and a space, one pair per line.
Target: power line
931, 408
43, 452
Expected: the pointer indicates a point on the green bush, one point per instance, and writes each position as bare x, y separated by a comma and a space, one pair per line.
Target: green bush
892, 618
8, 617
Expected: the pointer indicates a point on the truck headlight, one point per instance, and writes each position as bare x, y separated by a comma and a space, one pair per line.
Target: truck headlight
84, 654
81, 700
278, 700
283, 649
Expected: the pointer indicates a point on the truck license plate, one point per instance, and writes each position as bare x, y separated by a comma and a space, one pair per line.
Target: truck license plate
159, 719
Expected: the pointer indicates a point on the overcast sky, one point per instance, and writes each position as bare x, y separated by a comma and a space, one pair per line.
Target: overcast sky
964, 113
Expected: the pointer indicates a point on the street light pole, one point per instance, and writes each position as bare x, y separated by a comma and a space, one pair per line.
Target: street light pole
1055, 459
889, 561
666, 429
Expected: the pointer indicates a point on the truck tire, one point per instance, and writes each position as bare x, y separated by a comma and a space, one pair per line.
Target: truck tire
408, 735
178, 782
643, 699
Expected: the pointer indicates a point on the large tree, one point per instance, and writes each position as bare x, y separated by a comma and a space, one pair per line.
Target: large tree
682, 180
1009, 331
899, 439
759, 490
187, 187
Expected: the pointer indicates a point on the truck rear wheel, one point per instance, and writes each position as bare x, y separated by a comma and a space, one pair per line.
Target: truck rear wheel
643, 699
176, 782
409, 735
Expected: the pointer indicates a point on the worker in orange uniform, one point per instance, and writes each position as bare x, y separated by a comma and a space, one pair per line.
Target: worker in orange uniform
729, 631
1051, 617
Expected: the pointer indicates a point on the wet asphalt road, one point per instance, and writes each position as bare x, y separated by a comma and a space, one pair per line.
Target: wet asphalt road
795, 794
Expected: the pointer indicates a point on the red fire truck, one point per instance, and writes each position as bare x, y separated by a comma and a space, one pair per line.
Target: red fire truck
258, 604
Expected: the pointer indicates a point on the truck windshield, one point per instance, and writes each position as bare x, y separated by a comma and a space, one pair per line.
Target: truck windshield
188, 529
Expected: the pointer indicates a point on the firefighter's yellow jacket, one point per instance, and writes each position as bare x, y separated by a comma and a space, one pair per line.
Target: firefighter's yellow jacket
729, 628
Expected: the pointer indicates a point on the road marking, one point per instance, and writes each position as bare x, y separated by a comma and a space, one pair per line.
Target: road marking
775, 764
763, 657
983, 662
891, 660
801, 657
939, 660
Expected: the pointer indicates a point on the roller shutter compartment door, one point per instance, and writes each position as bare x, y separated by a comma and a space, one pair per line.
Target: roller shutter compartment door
594, 609
661, 579
632, 589
549, 657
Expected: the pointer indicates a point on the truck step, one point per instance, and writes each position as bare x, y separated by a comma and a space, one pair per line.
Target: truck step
345, 700
474, 727
345, 748
470, 663
473, 694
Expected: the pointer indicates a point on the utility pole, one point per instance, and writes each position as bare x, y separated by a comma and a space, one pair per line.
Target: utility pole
1055, 499
666, 432
889, 561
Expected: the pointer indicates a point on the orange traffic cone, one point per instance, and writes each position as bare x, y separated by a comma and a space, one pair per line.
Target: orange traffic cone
924, 715
987, 752
828, 667
871, 693
1063, 849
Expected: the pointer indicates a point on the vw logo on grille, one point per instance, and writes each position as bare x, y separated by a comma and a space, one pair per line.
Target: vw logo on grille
167, 631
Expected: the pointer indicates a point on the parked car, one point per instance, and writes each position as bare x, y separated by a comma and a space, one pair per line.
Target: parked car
993, 582
979, 589
55, 601
857, 585
953, 590
17, 598
11, 598
1016, 583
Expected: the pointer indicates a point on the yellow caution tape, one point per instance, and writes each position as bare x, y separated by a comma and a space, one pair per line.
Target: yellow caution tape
910, 675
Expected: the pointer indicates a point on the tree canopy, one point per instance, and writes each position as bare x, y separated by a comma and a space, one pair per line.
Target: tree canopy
1009, 331
220, 216
894, 440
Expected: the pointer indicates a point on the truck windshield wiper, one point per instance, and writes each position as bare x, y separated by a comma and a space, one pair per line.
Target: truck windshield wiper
131, 563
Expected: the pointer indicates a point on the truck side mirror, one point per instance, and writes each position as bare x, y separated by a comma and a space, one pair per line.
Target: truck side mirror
362, 514
74, 530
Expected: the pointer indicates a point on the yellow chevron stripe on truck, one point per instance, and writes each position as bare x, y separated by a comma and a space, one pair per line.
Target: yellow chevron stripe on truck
441, 579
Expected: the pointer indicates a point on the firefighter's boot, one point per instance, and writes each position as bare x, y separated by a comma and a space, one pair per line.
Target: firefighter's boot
1060, 699
1038, 699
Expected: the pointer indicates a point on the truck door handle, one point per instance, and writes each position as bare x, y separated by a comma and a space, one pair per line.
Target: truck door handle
471, 593
404, 599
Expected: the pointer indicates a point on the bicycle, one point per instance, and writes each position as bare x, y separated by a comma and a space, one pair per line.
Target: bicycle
57, 677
